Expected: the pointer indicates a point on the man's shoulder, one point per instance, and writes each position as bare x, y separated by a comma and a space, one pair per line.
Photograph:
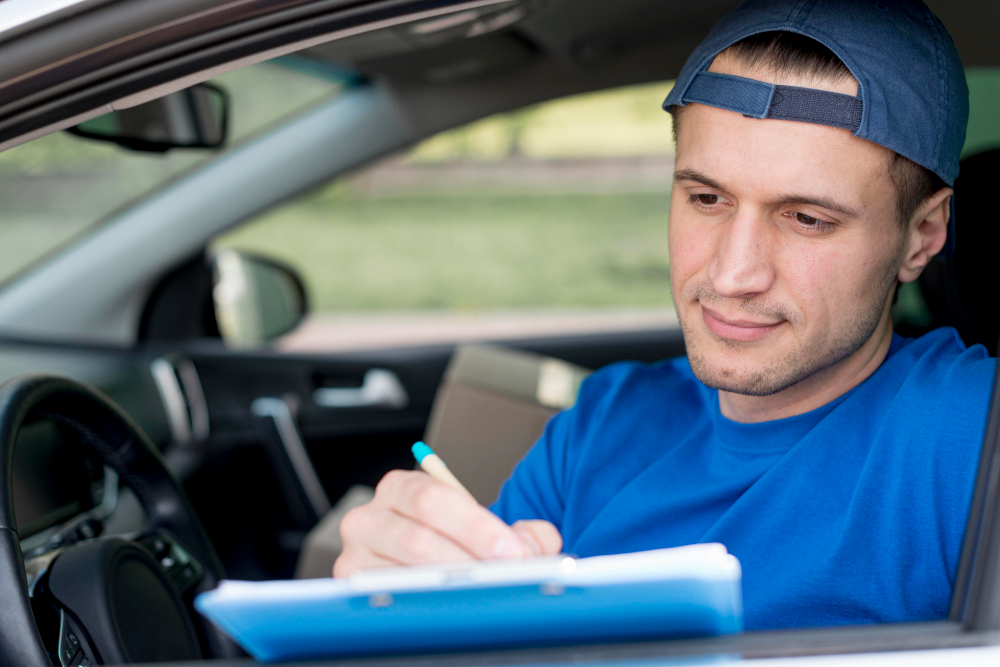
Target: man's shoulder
938, 387
940, 359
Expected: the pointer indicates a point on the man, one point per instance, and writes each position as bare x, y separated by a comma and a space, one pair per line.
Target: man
816, 145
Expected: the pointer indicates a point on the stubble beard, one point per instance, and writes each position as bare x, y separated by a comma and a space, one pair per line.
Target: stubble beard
799, 363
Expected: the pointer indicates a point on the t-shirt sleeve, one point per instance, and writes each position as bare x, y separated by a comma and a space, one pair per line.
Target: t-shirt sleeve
535, 489
539, 485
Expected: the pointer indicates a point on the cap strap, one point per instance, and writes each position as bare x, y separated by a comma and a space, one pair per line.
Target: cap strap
758, 99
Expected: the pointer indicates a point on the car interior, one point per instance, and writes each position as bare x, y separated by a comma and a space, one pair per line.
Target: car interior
151, 418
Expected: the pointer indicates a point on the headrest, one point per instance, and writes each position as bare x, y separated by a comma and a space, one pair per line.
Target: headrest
962, 292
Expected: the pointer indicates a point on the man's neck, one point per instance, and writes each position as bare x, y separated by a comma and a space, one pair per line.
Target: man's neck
816, 390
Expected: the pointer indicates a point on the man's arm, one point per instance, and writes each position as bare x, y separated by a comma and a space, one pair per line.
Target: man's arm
415, 519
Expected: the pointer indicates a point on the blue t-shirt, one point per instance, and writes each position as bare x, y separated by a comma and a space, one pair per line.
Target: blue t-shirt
852, 513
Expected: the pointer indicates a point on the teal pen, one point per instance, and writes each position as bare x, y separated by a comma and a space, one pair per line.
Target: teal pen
432, 464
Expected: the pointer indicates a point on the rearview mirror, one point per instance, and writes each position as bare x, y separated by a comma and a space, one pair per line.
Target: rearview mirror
196, 117
256, 299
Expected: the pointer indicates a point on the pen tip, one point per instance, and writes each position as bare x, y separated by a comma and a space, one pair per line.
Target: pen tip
421, 451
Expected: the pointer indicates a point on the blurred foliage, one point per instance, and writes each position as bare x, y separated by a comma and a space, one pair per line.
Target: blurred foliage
618, 122
58, 153
442, 246
984, 103
470, 250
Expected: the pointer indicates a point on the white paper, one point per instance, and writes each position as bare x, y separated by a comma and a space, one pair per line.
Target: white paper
699, 561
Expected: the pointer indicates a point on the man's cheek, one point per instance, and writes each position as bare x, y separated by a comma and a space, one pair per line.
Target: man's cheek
812, 287
689, 252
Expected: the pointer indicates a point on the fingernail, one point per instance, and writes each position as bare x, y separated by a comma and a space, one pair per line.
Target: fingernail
505, 547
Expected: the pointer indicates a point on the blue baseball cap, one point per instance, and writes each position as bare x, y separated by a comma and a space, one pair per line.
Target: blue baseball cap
912, 95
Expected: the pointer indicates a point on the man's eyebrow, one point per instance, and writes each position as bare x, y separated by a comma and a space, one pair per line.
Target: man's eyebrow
822, 202
811, 200
697, 177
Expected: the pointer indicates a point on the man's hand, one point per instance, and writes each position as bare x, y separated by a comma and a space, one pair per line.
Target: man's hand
415, 519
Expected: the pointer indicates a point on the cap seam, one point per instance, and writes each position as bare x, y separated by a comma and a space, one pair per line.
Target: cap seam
804, 10
942, 91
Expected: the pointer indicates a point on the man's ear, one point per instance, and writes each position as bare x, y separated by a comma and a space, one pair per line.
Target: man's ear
926, 234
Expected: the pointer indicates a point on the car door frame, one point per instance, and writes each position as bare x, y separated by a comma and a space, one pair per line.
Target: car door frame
67, 96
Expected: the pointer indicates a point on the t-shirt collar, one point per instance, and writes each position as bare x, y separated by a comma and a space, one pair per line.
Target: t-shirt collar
778, 436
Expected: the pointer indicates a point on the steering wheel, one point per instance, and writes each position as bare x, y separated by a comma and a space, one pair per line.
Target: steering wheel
112, 597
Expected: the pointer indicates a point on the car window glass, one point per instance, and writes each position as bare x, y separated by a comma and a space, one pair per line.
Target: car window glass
984, 101
58, 187
551, 219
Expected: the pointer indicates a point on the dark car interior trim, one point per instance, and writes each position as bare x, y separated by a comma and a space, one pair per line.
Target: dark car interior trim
748, 646
976, 601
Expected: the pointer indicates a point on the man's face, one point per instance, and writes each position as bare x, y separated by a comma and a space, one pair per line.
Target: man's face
784, 244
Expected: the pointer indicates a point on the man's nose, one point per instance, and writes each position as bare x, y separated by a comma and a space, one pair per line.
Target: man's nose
742, 266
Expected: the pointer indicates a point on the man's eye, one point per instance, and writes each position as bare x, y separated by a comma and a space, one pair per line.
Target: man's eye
810, 221
705, 200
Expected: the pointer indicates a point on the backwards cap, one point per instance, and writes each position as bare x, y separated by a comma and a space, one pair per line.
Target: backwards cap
912, 96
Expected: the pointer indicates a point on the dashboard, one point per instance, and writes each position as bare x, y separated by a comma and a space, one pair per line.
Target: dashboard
55, 477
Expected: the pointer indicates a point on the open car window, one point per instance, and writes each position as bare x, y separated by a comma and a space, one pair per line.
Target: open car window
548, 220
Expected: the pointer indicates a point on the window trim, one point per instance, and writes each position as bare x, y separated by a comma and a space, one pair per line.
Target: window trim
976, 598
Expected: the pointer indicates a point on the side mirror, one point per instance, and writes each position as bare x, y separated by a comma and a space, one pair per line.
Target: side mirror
256, 299
196, 117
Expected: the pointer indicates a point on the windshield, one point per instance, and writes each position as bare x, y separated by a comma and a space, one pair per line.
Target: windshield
60, 187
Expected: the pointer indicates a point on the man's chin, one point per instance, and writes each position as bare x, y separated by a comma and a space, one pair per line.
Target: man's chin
750, 369
746, 383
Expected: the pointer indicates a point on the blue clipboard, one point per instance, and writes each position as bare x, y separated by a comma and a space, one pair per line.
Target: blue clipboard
682, 592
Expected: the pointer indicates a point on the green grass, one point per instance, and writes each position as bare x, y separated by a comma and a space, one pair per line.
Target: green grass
470, 251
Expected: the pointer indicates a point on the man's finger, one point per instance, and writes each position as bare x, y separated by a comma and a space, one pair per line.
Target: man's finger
452, 514
541, 535
405, 541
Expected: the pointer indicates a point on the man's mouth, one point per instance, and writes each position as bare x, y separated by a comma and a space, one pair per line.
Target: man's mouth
738, 329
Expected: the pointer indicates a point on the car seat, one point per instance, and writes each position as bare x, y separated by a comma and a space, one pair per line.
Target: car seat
492, 406
959, 292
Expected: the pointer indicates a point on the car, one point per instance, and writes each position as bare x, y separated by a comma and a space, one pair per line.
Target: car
177, 410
